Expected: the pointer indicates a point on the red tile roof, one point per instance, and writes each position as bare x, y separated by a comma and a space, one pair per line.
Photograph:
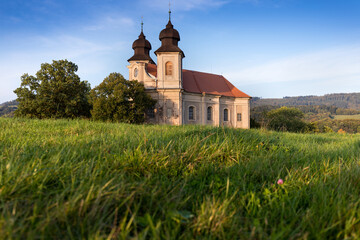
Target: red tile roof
152, 69
199, 82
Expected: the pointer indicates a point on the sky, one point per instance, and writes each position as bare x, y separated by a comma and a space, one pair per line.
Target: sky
266, 48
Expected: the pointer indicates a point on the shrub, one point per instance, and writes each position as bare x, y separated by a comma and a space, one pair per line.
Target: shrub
120, 100
286, 119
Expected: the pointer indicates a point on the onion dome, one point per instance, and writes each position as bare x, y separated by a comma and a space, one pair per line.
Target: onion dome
169, 32
169, 38
141, 48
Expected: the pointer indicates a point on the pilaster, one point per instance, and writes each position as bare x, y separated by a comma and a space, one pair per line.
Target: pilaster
217, 114
203, 109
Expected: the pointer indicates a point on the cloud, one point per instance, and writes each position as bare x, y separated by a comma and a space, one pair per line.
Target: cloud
9, 80
340, 65
109, 22
185, 5
267, 3
91, 57
67, 45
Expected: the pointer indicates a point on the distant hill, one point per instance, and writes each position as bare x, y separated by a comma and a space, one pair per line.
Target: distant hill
8, 108
340, 100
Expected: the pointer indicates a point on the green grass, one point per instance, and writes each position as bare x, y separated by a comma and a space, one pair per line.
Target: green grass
343, 117
77, 179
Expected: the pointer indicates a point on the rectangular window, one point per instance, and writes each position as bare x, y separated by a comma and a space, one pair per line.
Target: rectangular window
191, 113
169, 112
150, 113
239, 117
209, 113
226, 115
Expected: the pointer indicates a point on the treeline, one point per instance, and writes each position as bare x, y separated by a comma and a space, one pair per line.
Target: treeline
340, 126
339, 100
312, 112
318, 118
288, 119
56, 91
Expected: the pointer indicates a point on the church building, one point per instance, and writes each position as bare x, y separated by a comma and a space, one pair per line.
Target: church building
185, 96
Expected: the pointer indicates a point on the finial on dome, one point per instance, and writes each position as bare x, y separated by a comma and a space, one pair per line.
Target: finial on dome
169, 10
142, 23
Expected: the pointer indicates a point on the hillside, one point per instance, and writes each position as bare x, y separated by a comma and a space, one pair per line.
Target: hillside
77, 179
340, 100
8, 108
338, 112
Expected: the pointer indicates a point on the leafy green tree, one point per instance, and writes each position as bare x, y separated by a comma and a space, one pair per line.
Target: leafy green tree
327, 129
254, 123
286, 119
120, 100
55, 92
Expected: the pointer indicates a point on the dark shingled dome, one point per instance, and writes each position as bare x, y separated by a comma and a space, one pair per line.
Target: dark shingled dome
141, 42
141, 48
169, 32
169, 40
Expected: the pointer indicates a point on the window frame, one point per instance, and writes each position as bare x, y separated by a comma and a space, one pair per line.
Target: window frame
209, 115
237, 117
150, 113
193, 113
226, 115
169, 68
169, 112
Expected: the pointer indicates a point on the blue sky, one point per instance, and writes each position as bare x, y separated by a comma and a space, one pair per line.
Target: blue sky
266, 48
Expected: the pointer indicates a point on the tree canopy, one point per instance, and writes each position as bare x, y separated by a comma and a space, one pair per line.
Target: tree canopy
55, 92
120, 100
286, 119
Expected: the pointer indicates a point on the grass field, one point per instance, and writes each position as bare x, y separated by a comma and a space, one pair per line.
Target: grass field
76, 179
342, 117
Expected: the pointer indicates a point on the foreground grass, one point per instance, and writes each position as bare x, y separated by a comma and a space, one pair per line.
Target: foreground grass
79, 179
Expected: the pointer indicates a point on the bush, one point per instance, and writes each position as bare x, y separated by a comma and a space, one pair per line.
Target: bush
286, 119
120, 100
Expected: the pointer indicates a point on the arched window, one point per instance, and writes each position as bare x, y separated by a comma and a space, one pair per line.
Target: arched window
191, 113
226, 115
168, 68
209, 113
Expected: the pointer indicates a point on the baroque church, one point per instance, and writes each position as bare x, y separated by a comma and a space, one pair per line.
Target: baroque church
185, 96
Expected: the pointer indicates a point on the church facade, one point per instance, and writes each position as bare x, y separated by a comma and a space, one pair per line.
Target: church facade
185, 96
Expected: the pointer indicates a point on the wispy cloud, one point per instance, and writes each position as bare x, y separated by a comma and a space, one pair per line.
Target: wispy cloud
92, 58
108, 22
185, 5
337, 65
268, 3
68, 45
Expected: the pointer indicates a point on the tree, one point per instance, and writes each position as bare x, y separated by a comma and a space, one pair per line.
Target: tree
254, 123
327, 129
55, 92
286, 119
120, 100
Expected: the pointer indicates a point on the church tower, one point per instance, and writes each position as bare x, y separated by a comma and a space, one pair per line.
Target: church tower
139, 61
169, 76
169, 58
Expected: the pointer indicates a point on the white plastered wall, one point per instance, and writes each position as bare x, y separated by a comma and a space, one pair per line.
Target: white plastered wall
218, 103
143, 76
169, 81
